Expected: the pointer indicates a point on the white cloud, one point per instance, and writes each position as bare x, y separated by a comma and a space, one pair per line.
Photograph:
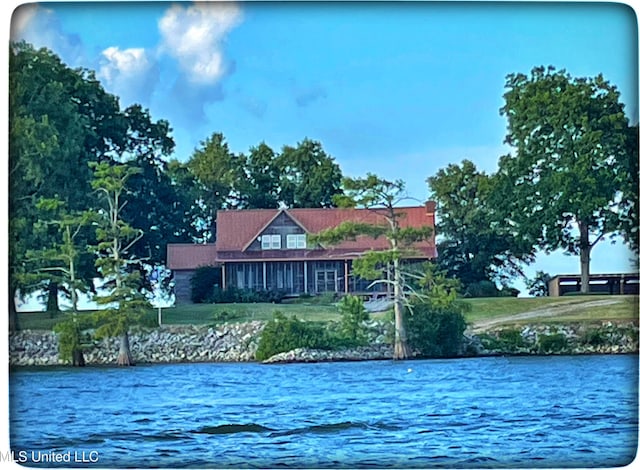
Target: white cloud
195, 36
127, 62
128, 73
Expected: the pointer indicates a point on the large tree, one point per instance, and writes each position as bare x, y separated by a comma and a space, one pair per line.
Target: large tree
123, 302
476, 244
564, 182
155, 204
630, 224
63, 260
216, 172
261, 186
382, 197
59, 120
309, 177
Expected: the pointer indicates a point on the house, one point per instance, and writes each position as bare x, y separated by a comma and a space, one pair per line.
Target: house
612, 284
268, 249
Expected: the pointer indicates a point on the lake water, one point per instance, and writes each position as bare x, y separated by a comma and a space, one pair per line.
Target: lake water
560, 411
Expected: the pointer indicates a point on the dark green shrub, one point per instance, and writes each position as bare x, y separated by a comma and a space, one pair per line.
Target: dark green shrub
482, 289
509, 340
353, 315
203, 282
508, 292
595, 338
233, 295
283, 334
552, 343
435, 332
539, 285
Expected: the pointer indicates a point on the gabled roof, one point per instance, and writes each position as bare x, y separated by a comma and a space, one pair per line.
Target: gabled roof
190, 256
236, 229
269, 222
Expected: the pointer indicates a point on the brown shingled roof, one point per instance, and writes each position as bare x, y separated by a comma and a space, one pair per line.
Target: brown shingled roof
188, 256
237, 228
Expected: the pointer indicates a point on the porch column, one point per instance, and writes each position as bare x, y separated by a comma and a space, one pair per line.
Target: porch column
306, 289
224, 276
346, 276
264, 275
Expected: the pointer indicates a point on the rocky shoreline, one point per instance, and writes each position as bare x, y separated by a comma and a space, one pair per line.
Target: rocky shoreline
239, 342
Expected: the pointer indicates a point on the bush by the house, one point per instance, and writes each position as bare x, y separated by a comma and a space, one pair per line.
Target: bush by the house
203, 282
283, 334
353, 315
233, 295
435, 331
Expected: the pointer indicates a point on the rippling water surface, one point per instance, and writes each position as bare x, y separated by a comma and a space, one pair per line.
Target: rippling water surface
485, 412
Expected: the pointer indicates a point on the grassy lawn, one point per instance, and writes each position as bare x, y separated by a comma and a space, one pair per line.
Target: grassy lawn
625, 308
205, 314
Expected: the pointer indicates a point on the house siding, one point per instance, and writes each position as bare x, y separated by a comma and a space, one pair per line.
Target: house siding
182, 283
282, 225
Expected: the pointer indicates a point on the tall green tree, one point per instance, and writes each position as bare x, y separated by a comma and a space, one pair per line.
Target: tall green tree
477, 245
261, 185
124, 303
63, 261
216, 172
155, 203
309, 177
382, 197
59, 120
630, 225
564, 182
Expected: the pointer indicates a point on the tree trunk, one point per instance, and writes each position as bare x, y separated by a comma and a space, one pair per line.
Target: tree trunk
585, 258
53, 306
400, 349
13, 313
124, 356
78, 358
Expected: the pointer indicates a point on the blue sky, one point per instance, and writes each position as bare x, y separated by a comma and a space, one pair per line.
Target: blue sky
400, 90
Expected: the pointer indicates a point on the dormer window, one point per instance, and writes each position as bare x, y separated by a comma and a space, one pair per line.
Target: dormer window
271, 242
296, 241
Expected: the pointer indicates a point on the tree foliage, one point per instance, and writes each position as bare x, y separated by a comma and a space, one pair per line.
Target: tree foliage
436, 323
282, 334
309, 177
477, 244
260, 188
563, 185
124, 303
539, 285
629, 223
59, 120
352, 317
382, 197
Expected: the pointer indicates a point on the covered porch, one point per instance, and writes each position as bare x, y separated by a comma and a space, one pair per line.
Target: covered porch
297, 277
